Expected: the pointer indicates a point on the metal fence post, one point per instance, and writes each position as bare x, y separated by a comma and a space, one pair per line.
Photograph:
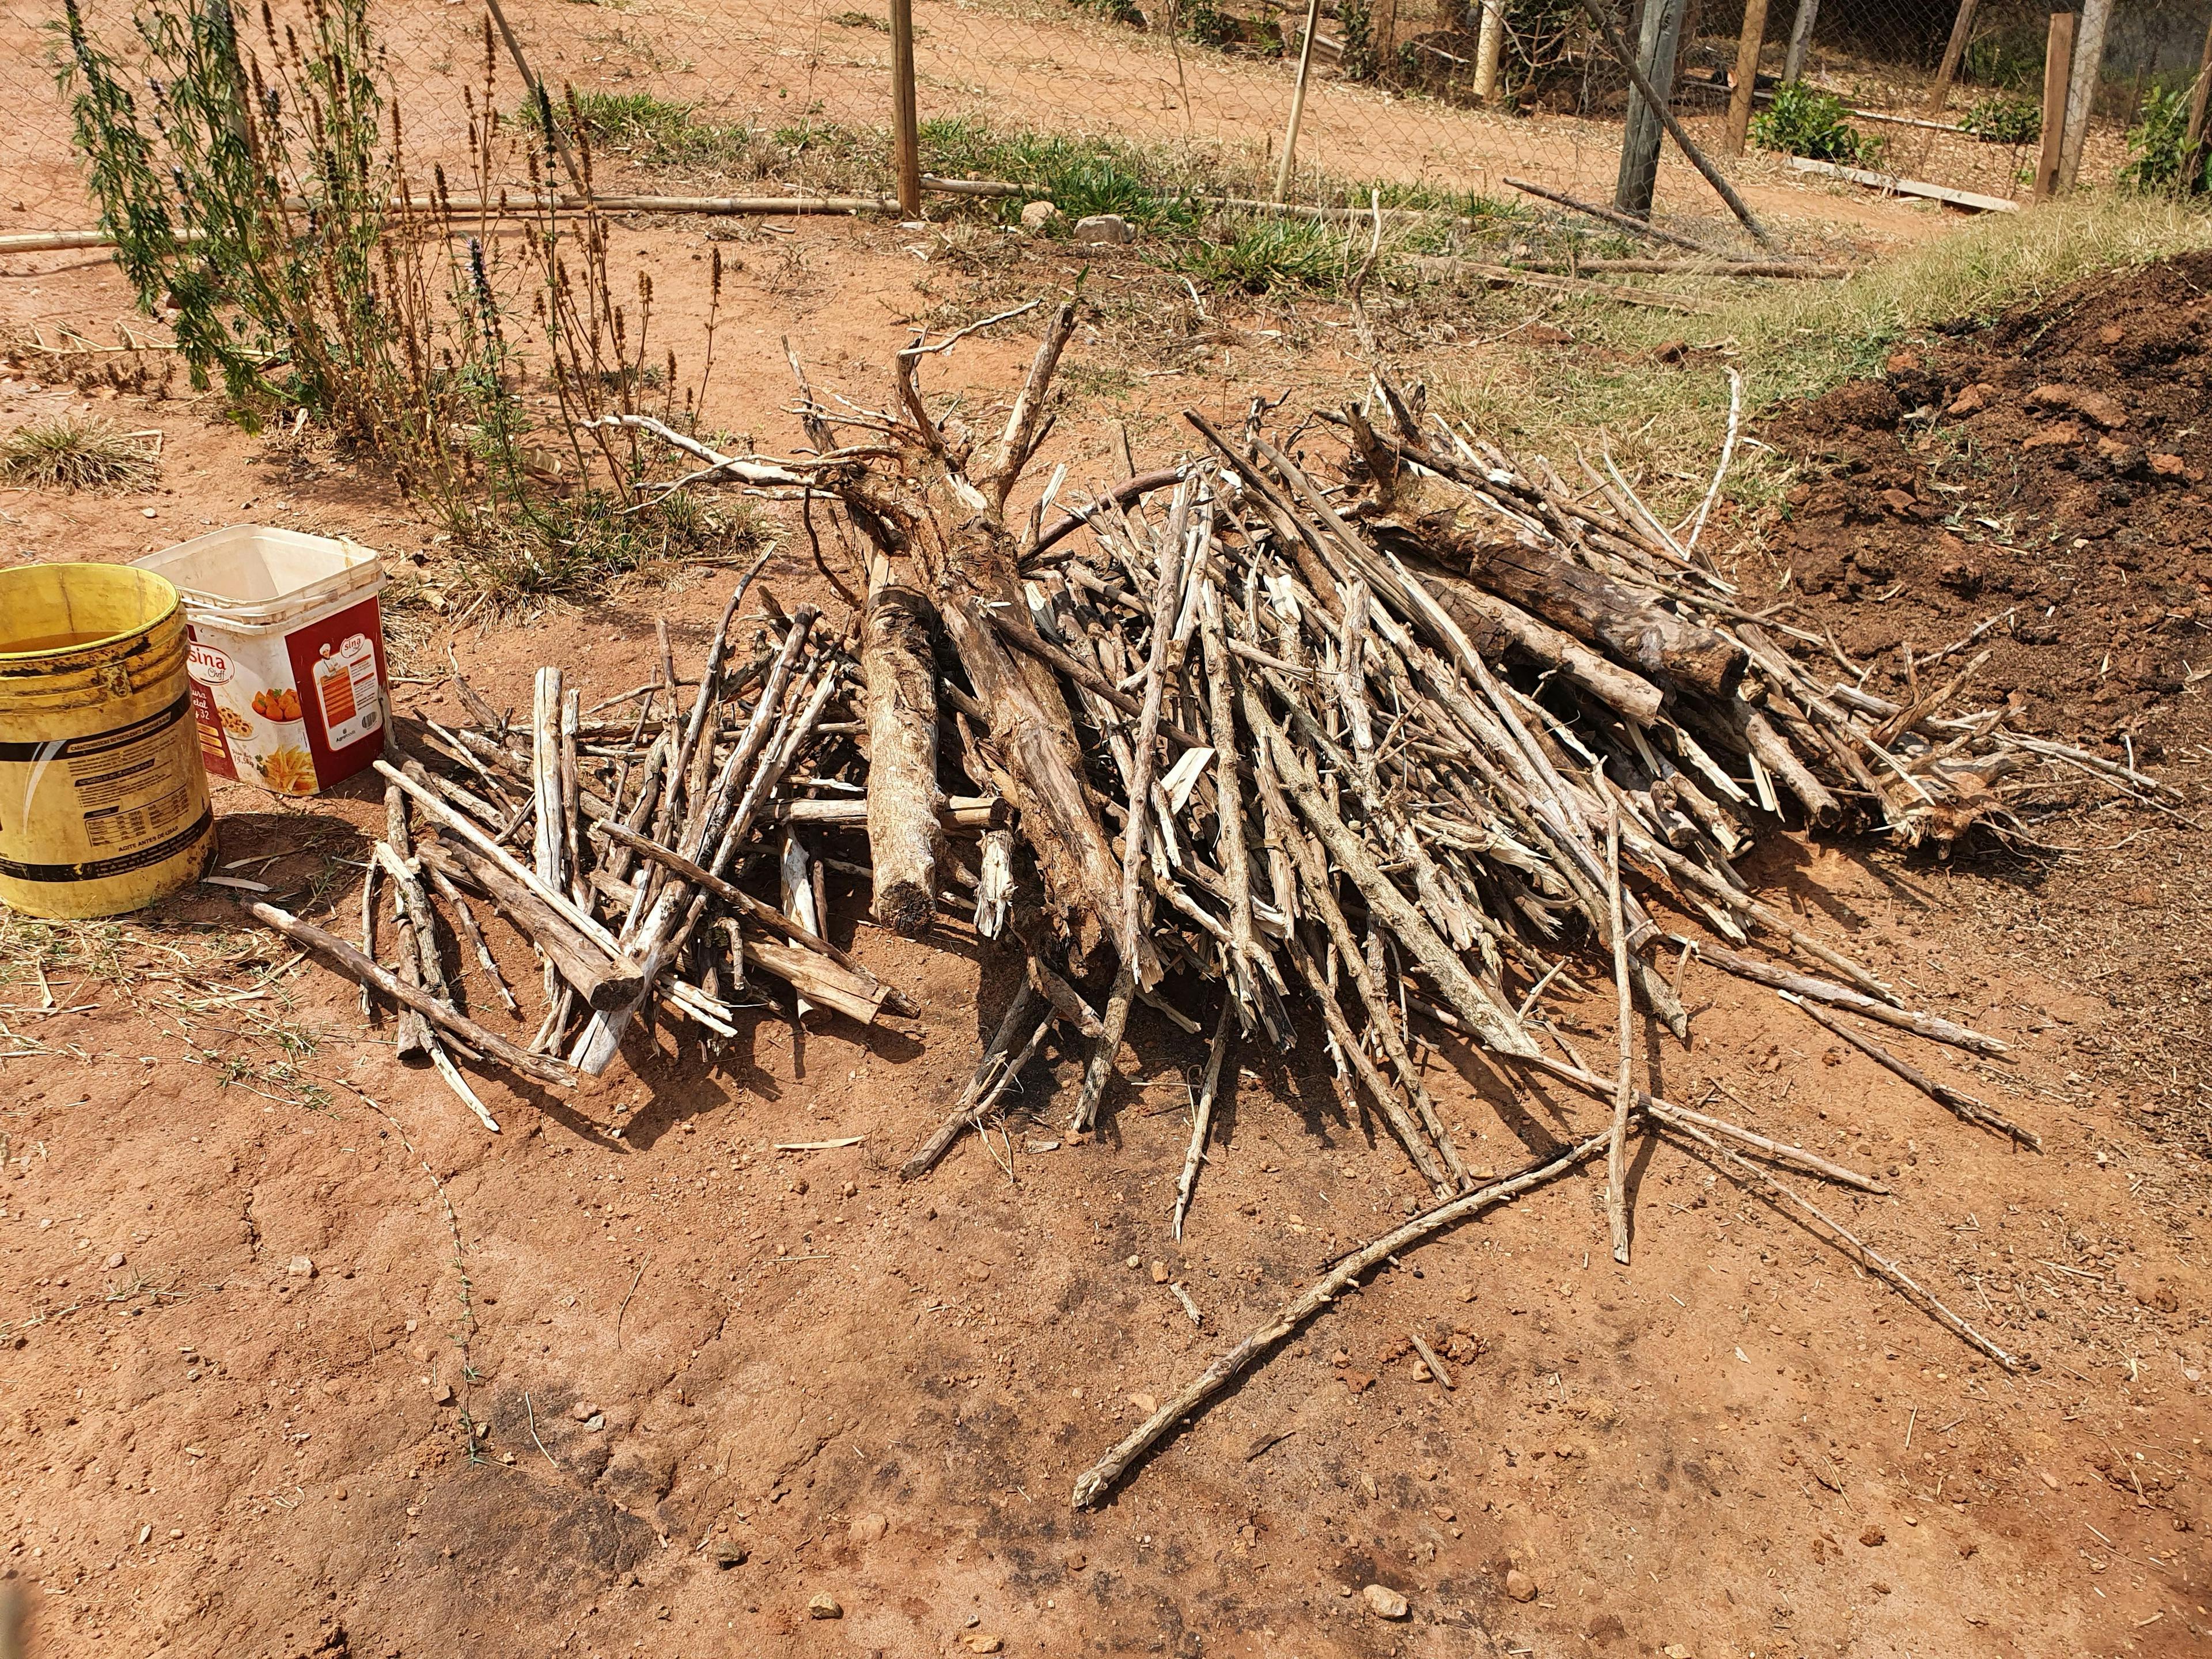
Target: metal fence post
906, 122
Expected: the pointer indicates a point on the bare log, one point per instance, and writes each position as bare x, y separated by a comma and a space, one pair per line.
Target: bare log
904, 840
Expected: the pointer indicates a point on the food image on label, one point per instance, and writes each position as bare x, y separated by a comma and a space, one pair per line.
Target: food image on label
345, 680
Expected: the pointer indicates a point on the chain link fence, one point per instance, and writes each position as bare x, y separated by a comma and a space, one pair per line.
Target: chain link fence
1451, 96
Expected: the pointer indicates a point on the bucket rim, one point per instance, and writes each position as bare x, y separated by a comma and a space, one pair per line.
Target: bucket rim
8, 659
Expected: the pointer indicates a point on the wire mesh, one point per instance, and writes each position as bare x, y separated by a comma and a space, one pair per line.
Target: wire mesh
1404, 93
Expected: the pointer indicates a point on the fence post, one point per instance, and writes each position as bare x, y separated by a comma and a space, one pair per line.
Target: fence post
1955, 49
2192, 148
1747, 73
1489, 45
1801, 37
1297, 103
2082, 88
1640, 135
905, 121
2057, 65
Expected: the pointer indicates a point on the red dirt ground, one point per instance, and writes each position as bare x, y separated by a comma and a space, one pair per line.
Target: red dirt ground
716, 1380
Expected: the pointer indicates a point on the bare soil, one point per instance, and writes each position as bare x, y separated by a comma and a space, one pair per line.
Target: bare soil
262, 1290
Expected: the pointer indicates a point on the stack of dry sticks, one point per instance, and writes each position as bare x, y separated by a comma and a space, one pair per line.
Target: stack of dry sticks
615, 840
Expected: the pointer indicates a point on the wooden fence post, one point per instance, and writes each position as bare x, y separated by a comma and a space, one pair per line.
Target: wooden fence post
1640, 133
2058, 66
1489, 47
2200, 96
906, 121
1298, 104
1801, 39
1954, 51
1747, 73
2082, 86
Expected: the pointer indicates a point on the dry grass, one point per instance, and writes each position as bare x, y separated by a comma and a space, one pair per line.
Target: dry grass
65, 453
1789, 340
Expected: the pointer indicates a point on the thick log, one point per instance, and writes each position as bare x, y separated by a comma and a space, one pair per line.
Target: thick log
1435, 519
960, 540
904, 839
1490, 623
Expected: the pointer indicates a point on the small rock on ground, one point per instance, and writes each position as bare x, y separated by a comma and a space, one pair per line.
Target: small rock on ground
1386, 1603
1520, 1586
822, 1606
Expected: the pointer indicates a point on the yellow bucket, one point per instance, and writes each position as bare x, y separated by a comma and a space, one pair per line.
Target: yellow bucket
103, 795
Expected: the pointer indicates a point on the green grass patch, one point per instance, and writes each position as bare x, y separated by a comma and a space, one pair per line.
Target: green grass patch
1273, 255
659, 133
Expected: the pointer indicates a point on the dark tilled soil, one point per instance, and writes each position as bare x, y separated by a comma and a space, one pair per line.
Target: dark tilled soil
2047, 471
2045, 476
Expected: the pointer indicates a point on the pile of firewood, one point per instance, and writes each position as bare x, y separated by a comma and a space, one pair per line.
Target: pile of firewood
1370, 753
616, 840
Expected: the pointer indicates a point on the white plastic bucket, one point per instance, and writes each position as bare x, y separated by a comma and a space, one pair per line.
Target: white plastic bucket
287, 661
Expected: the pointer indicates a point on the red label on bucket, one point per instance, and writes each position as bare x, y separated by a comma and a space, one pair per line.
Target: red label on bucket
337, 664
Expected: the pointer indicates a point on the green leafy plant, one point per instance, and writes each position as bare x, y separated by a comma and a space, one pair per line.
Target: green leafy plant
1802, 122
1359, 61
258, 199
2157, 143
2000, 119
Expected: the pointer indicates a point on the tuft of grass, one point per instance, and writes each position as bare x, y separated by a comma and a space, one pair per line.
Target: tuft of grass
659, 133
580, 544
1148, 186
64, 452
1265, 255
861, 20
1794, 340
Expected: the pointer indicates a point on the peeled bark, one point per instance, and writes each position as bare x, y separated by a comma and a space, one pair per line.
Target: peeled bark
904, 838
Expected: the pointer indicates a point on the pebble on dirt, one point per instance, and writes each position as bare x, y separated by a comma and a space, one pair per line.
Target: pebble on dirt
301, 1268
1386, 1603
867, 1528
822, 1605
1872, 1536
116, 1261
1520, 1586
